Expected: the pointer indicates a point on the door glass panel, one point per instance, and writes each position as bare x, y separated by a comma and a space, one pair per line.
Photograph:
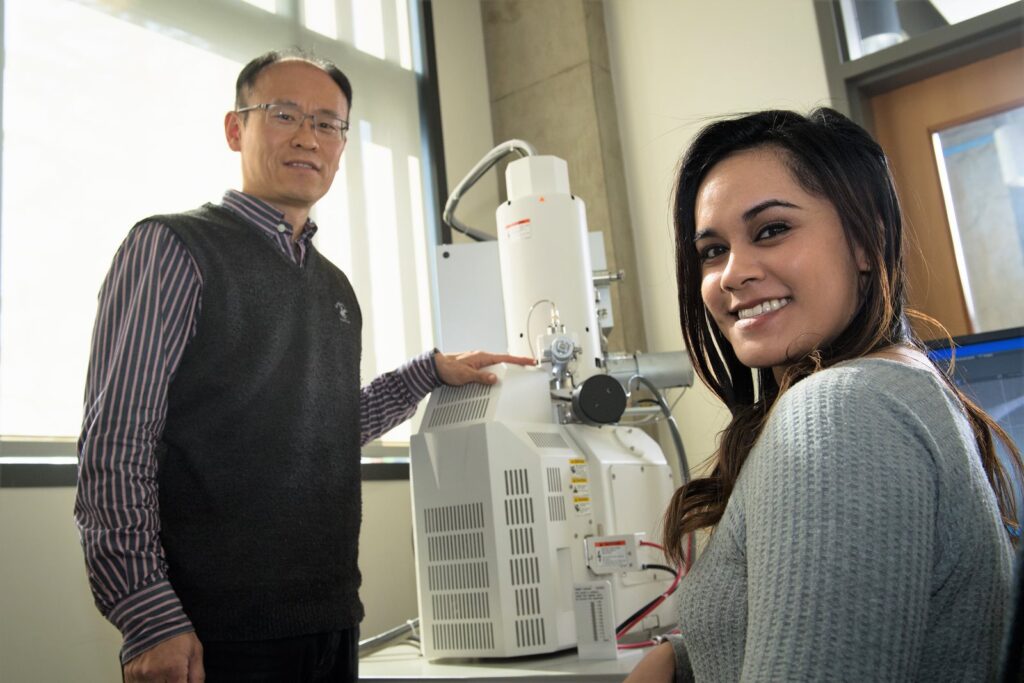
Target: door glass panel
981, 168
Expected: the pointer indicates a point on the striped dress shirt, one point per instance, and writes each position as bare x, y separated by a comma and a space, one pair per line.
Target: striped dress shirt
148, 309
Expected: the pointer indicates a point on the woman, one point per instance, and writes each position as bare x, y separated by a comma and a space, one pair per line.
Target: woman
861, 519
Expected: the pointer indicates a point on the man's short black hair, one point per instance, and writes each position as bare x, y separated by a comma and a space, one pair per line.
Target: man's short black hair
247, 77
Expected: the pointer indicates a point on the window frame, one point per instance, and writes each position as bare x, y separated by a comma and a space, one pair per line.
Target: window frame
852, 83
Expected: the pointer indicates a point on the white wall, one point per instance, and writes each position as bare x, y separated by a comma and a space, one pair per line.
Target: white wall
386, 558
49, 628
676, 64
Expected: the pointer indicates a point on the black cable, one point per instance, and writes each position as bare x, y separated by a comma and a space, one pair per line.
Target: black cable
634, 615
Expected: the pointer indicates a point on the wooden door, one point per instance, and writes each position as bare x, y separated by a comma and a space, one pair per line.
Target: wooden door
904, 121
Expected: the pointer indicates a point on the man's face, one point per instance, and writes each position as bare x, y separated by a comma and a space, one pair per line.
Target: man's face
288, 168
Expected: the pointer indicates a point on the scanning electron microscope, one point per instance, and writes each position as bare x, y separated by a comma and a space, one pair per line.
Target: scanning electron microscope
536, 501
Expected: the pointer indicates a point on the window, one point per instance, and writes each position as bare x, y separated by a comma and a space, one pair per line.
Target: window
113, 112
873, 25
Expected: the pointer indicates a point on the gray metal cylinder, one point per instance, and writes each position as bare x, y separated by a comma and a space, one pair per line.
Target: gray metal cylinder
665, 370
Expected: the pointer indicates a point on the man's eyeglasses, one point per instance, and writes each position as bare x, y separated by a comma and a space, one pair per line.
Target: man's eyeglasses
291, 117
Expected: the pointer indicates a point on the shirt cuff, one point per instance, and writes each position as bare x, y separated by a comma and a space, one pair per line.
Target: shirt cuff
149, 617
420, 375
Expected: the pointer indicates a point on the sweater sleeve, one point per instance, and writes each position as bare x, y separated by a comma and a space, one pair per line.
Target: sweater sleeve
840, 514
684, 670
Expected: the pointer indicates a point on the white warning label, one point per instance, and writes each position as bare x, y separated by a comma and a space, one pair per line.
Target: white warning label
519, 230
613, 554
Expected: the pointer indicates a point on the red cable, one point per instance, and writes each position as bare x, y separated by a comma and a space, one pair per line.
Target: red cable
688, 562
637, 646
688, 555
654, 605
650, 643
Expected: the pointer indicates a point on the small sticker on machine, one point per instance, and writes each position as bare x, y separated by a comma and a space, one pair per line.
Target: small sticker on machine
613, 554
519, 230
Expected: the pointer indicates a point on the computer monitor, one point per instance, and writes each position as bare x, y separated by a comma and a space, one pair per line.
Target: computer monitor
989, 368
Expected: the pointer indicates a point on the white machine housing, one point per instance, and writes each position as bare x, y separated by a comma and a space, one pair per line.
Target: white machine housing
504, 493
503, 497
545, 255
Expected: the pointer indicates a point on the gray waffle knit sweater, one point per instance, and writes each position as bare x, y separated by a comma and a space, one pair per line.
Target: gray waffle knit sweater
861, 543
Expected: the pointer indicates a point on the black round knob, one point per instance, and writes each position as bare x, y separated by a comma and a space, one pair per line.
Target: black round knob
599, 400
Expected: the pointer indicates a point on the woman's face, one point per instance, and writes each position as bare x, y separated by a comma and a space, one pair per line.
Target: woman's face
778, 275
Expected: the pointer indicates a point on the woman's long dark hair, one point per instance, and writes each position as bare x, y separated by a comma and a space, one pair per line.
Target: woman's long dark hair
833, 158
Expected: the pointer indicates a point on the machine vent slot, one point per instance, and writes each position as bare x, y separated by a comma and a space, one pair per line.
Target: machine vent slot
518, 511
546, 440
466, 392
530, 632
454, 532
521, 541
447, 547
453, 518
457, 413
525, 571
556, 508
527, 601
519, 518
455, 405
464, 636
554, 480
457, 576
556, 503
517, 483
459, 606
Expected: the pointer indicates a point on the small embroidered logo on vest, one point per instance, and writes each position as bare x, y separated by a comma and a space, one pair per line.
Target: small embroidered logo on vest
342, 312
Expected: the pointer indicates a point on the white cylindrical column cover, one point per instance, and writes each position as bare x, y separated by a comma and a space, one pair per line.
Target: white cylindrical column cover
544, 254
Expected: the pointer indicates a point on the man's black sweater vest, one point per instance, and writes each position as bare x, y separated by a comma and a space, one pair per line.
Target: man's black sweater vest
259, 462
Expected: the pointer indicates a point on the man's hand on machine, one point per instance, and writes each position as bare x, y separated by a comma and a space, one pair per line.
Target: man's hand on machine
456, 369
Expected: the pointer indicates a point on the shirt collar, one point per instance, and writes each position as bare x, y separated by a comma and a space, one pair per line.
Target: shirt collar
262, 214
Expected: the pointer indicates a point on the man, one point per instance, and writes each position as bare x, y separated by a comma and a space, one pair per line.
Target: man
219, 493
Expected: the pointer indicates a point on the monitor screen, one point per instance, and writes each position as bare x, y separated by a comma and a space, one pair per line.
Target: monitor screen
989, 368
